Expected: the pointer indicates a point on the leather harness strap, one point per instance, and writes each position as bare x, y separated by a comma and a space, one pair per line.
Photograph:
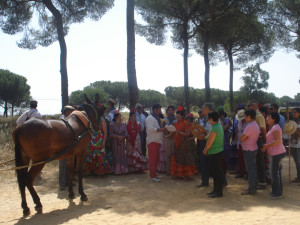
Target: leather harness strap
82, 118
69, 126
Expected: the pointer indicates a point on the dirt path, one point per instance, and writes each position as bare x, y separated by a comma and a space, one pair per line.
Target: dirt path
134, 199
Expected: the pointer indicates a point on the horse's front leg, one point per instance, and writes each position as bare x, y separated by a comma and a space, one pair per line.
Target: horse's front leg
80, 163
70, 176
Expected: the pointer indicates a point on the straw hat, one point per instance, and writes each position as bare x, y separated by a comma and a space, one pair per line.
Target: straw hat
240, 115
198, 130
290, 127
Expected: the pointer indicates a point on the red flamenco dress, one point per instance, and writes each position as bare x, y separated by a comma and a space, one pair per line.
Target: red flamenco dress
96, 161
135, 159
183, 161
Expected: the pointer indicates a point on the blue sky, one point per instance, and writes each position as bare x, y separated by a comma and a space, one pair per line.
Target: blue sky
97, 51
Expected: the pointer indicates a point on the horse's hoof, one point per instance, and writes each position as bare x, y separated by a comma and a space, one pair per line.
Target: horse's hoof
39, 209
84, 198
26, 212
71, 196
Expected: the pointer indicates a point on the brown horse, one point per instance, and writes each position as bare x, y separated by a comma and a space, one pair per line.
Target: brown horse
42, 139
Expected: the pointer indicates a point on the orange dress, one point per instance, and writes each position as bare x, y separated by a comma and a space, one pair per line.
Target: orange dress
183, 162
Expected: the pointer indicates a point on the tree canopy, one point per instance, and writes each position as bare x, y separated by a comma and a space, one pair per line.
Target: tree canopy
106, 89
14, 90
284, 17
175, 95
18, 17
176, 16
242, 38
54, 19
150, 97
255, 80
239, 32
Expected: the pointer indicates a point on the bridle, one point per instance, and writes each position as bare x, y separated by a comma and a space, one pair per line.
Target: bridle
93, 126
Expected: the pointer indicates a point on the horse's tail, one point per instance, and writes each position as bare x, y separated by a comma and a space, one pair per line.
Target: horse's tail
21, 173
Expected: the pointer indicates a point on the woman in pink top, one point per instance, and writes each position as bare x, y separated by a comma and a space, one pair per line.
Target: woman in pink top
249, 145
276, 150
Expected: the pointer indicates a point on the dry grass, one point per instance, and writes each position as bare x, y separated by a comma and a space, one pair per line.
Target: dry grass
7, 126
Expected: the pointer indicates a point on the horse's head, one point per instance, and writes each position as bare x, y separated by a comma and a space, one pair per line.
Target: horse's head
93, 111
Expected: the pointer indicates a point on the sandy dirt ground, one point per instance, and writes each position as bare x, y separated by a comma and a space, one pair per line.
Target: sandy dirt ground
134, 199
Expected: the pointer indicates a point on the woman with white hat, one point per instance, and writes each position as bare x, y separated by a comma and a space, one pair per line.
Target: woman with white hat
276, 151
293, 128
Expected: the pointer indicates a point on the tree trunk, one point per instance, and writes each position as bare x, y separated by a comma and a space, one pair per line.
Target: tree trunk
186, 70
229, 53
131, 72
5, 109
12, 110
63, 51
206, 63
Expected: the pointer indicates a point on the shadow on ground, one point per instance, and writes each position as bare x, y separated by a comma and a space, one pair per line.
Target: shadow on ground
135, 193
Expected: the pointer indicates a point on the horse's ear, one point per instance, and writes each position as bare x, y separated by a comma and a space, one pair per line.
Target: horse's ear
97, 99
87, 99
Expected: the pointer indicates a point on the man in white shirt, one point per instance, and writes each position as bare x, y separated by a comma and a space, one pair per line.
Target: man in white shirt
154, 140
141, 119
32, 112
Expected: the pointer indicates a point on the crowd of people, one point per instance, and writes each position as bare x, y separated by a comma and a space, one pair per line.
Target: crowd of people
250, 145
